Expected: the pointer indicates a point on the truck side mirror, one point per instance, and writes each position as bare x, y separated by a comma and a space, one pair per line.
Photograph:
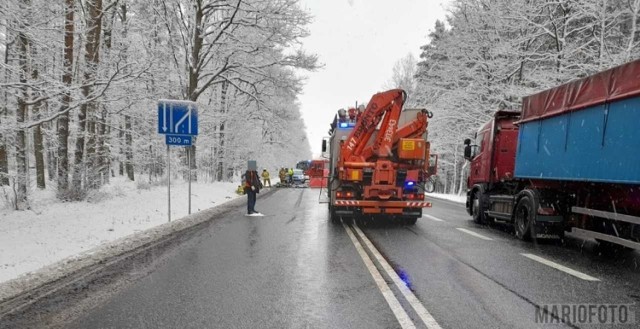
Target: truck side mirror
433, 164
325, 147
467, 141
467, 151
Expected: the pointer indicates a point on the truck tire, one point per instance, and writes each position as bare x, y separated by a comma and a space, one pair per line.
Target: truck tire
411, 221
430, 185
335, 219
525, 218
477, 208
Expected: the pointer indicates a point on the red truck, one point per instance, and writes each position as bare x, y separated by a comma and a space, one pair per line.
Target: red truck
318, 173
568, 162
378, 161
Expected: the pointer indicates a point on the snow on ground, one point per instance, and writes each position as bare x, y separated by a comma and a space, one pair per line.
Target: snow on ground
53, 230
450, 197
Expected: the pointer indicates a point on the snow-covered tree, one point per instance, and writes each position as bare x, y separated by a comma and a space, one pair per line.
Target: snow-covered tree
489, 54
81, 81
402, 77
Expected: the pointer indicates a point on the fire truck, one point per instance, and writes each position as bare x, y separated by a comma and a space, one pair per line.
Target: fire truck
378, 161
318, 171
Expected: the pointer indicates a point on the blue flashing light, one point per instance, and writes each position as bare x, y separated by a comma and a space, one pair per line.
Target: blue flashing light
344, 124
404, 276
352, 124
410, 183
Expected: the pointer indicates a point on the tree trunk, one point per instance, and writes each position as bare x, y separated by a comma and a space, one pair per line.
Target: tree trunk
455, 170
51, 161
38, 145
91, 175
21, 113
635, 12
4, 163
220, 151
121, 157
4, 158
86, 116
63, 119
104, 154
220, 156
194, 74
129, 147
461, 189
78, 159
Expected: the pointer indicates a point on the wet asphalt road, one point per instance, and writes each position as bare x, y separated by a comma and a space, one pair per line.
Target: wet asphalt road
294, 269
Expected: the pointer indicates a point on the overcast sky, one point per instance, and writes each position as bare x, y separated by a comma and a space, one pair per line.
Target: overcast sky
358, 41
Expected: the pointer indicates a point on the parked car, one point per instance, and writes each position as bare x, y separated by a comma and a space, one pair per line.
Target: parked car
299, 178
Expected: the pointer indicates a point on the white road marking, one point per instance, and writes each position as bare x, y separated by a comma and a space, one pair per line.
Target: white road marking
424, 315
560, 267
433, 218
394, 304
477, 235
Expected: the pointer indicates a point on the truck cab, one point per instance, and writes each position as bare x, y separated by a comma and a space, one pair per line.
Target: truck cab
492, 158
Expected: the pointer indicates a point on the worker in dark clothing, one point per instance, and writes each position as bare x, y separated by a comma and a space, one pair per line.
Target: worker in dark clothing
252, 187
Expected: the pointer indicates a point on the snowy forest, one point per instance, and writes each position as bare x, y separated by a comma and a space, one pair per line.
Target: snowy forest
488, 54
81, 80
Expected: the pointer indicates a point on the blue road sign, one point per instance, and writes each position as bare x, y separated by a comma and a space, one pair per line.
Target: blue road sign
179, 140
177, 117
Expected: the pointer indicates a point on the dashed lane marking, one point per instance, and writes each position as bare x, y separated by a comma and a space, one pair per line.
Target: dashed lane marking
433, 218
559, 267
472, 233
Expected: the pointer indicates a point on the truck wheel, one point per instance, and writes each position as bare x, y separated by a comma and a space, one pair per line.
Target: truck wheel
411, 220
525, 218
335, 219
430, 185
477, 209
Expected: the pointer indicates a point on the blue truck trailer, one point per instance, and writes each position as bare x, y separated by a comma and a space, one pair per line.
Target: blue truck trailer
568, 162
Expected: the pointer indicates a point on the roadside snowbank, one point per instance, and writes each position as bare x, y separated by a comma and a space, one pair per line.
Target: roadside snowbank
52, 230
450, 197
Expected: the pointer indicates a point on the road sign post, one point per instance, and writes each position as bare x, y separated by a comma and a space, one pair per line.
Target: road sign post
189, 165
178, 121
169, 181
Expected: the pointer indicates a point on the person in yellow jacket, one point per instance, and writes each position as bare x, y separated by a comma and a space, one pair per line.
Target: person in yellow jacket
290, 174
283, 175
265, 178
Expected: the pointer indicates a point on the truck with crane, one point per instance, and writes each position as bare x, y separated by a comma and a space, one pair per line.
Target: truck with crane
378, 161
568, 162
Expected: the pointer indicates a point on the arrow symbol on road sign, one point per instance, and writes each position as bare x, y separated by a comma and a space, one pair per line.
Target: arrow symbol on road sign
164, 117
170, 116
188, 114
189, 118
